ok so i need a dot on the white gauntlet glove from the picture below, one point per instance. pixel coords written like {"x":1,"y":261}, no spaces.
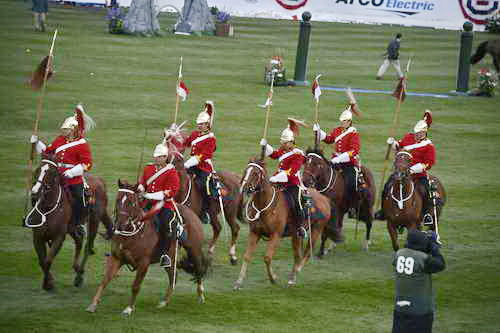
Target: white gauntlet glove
{"x":280,"y":177}
{"x":75,"y":171}
{"x":141,"y":188}
{"x":342,"y":158}
{"x":191,"y":162}
{"x":39,"y":145}
{"x":417,"y":168}
{"x":154,"y":196}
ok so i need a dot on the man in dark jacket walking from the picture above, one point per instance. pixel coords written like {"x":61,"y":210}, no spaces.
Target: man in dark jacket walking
{"x":415,"y":264}
{"x":391,"y":58}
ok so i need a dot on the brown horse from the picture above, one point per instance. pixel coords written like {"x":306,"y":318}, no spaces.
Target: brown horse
{"x":137,"y":243}
{"x":493,"y":48}
{"x":403,"y":201}
{"x":268,"y":214}
{"x":189,"y":194}
{"x":320,"y":174}
{"x":50,"y":219}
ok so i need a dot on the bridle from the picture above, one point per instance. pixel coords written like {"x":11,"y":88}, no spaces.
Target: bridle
{"x":253,"y":189}
{"x":331,"y":178}
{"x":40,"y":184}
{"x":400,"y":177}
{"x":130,"y":199}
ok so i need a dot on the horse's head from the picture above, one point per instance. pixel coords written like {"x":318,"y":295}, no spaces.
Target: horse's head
{"x":47,"y":179}
{"x":402,"y":163}
{"x":316,"y":169}
{"x":127,"y":208}
{"x":254,"y":177}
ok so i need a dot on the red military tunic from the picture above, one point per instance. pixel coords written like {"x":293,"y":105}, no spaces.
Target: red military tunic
{"x":289,"y":162}
{"x":203,"y":147}
{"x":422,"y":152}
{"x":69,"y":154}
{"x":166,"y":179}
{"x":346,"y":140}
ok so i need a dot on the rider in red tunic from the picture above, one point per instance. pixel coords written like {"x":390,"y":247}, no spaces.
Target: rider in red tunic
{"x":346,"y":145}
{"x":203,"y":146}
{"x":423,"y":155}
{"x":72,"y":152}
{"x":290,"y":160}
{"x":159,"y":184}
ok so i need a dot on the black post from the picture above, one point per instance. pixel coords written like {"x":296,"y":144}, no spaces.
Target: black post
{"x":302,"y":50}
{"x":464,"y":58}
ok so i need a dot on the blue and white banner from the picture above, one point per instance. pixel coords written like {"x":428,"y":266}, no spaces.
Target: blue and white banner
{"x":439,"y":14}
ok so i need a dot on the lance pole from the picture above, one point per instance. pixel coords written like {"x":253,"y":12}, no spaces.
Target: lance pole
{"x":392,"y":132}
{"x":269,"y":103}
{"x":39,"y":108}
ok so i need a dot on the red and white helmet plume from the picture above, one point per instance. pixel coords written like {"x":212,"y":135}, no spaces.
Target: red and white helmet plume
{"x":424,"y":124}
{"x":85,"y":122}
{"x":292,"y":131}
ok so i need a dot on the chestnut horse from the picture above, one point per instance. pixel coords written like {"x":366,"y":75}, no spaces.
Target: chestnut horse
{"x":189,"y":195}
{"x":328,"y":180}
{"x":136,"y":244}
{"x":403,"y":201}
{"x":268,"y":214}
{"x":50,"y":219}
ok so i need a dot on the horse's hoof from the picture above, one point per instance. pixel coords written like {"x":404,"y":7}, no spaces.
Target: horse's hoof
{"x":201,"y":299}
{"x":237,"y":286}
{"x":91,"y":252}
{"x":91,"y":308}
{"x":48,"y":286}
{"x":162,"y":304}
{"x":291,"y":283}
{"x":233,"y":260}
{"x":78,"y":281}
{"x":274,"y":280}
{"x":128,"y":311}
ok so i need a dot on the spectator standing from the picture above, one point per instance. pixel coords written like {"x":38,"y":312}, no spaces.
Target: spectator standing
{"x":414,"y":265}
{"x":40,"y":9}
{"x":391,"y":58}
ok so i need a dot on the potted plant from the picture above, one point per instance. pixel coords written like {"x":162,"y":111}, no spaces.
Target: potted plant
{"x":223,"y":27}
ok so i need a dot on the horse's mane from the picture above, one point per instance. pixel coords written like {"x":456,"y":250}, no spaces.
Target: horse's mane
{"x":126,"y":185}
{"x":317,"y":152}
{"x":258,"y":161}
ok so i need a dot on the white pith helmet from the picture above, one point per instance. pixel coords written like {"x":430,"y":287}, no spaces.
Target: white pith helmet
{"x":160,"y":150}
{"x":69,"y":123}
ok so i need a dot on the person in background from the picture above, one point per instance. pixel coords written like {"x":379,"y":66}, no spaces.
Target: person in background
{"x":391,"y":58}
{"x":414,"y":265}
{"x":40,"y":9}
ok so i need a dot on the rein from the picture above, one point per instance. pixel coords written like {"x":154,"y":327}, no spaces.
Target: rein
{"x":190,"y":185}
{"x":401,"y":200}
{"x":136,"y":227}
{"x":331,"y":179}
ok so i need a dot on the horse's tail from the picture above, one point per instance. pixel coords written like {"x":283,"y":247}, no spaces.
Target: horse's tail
{"x":480,"y":53}
{"x":198,"y":266}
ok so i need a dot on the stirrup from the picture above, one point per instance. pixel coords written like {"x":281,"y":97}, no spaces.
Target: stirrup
{"x":428,"y":220}
{"x":165,"y":261}
{"x":302,"y":233}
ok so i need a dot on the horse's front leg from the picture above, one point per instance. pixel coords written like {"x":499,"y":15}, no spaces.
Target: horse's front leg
{"x":235,"y":230}
{"x":216,"y":227}
{"x":142,"y":270}
{"x":394,"y":235}
{"x":268,"y":258}
{"x":89,"y":244}
{"x":297,"y":247}
{"x":41,"y":251}
{"x":112,"y":267}
{"x":170,"y":271}
{"x":78,"y":239}
{"x":253,"y":239}
{"x":54,"y":248}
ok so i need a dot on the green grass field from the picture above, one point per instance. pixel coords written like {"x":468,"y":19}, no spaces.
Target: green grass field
{"x":133,"y":87}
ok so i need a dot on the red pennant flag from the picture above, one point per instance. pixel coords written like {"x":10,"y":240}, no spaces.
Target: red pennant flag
{"x":400,"y":91}
{"x":182,"y":90}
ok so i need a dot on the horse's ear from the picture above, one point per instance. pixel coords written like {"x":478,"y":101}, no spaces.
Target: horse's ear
{"x":47,"y":156}
{"x":120,"y":184}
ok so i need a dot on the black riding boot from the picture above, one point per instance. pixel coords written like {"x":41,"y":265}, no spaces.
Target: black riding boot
{"x":79,"y":208}
{"x":349,"y":187}
{"x":165,"y":216}
{"x":427,"y":204}
{"x":293,"y":196}
{"x":200,"y":178}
